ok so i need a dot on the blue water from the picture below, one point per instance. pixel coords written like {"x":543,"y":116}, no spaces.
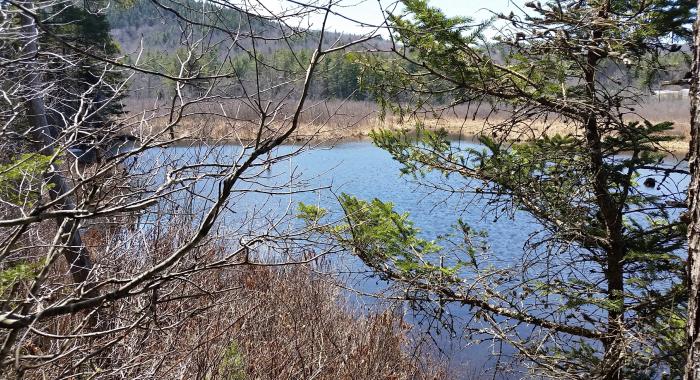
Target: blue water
{"x":266,"y":201}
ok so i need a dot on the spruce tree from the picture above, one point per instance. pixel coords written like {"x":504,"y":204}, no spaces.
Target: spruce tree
{"x":602,"y":285}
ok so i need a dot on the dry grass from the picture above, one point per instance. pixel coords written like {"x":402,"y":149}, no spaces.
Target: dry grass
{"x":232,"y":322}
{"x":335,"y":120}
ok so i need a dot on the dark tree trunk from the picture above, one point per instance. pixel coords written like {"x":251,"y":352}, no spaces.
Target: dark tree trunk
{"x":611,"y":219}
{"x":75,"y":252}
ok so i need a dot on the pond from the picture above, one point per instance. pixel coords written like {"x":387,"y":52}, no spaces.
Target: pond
{"x":363,"y":170}
{"x":367,"y":172}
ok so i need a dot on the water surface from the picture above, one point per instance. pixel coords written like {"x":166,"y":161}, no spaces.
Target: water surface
{"x":367,"y":172}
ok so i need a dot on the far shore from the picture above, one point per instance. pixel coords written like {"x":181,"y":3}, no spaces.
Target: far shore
{"x":200,"y":130}
{"x":332,"y":121}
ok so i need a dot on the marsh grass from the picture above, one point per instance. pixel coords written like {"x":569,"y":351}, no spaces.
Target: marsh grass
{"x":336,"y":120}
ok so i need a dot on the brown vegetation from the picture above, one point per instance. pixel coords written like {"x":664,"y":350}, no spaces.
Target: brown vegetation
{"x":334,"y":120}
{"x":232,"y":322}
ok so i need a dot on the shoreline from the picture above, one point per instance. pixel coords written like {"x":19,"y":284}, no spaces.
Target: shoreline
{"x":320,"y":136}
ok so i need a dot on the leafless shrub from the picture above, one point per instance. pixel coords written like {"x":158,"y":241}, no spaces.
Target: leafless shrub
{"x":234,"y":322}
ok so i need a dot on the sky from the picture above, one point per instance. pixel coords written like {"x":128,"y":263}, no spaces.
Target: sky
{"x":370,"y":11}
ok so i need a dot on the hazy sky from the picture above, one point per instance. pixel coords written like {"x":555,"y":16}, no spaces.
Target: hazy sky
{"x":370,"y":11}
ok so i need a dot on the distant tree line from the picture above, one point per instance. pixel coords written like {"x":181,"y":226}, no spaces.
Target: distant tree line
{"x":338,"y":73}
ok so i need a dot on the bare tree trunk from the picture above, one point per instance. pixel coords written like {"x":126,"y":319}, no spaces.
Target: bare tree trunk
{"x":692,"y":369}
{"x":75,"y":252}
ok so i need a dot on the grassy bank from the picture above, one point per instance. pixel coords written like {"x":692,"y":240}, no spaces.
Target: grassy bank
{"x":334,"y":121}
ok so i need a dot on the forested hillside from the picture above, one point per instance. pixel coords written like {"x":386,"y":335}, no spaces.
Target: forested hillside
{"x":158,"y":28}
{"x":153,"y":31}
